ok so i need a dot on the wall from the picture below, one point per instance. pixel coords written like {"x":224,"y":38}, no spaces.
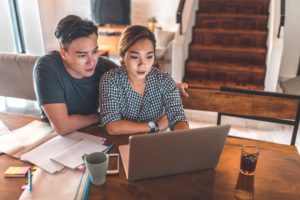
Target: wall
{"x":52,"y":11}
{"x":291,"y":46}
{"x":6,"y":33}
{"x":30,"y":22}
{"x":164,"y":12}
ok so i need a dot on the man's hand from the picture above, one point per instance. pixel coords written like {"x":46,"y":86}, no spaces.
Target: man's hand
{"x":183,"y":89}
{"x":163,"y":123}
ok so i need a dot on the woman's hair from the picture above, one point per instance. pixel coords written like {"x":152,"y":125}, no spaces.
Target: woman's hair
{"x":131,"y":35}
{"x":72,"y":27}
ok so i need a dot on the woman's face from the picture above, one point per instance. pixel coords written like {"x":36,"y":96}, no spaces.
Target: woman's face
{"x":139,"y":59}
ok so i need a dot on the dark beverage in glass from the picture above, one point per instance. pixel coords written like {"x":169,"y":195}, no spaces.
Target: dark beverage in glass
{"x":249,"y":158}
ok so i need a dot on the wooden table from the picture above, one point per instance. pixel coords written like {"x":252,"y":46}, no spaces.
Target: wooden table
{"x":277,"y":174}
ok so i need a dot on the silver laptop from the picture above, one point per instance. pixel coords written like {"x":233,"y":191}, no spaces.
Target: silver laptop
{"x":154,"y":155}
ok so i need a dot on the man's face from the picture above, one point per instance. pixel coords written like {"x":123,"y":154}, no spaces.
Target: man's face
{"x":81,"y":56}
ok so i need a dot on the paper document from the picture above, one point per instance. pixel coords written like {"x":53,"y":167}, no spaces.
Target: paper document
{"x":41,"y":155}
{"x":62,"y":185}
{"x":3,"y":129}
{"x":72,"y":156}
{"x":24,"y":137}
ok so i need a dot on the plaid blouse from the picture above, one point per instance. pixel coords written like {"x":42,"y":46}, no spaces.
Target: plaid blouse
{"x":118,"y":101}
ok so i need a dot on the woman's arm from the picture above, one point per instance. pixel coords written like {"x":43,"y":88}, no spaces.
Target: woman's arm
{"x":172,"y":103}
{"x":181,"y":126}
{"x":183,"y":89}
{"x":124,"y":127}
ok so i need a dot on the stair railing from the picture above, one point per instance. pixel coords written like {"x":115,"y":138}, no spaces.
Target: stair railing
{"x":282,"y":17}
{"x":274,"y":50}
{"x":179,"y":15}
{"x":185,"y":17}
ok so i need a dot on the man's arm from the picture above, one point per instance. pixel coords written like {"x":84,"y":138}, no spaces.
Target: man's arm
{"x":63,"y":123}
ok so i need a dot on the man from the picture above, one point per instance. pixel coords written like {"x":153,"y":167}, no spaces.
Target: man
{"x":66,"y":83}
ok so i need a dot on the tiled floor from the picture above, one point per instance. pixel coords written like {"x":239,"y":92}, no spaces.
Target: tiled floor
{"x":240,"y":127}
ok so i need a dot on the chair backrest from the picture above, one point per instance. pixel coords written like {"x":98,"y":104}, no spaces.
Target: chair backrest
{"x":16,"y":75}
{"x":258,"y":105}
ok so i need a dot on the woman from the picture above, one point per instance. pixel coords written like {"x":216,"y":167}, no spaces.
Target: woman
{"x":137,"y":97}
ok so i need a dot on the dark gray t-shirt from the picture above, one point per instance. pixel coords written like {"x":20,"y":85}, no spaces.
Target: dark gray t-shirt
{"x":53,"y":84}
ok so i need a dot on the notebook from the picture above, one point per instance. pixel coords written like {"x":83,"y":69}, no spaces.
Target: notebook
{"x":161,"y":154}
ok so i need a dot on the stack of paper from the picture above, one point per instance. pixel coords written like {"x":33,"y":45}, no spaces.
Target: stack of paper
{"x":3,"y":129}
{"x":72,"y":157}
{"x":25,"y":138}
{"x":62,"y":185}
{"x":62,"y":151}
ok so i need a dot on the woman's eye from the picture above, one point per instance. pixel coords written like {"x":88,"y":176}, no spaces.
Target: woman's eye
{"x":150,"y":57}
{"x":133,"y":57}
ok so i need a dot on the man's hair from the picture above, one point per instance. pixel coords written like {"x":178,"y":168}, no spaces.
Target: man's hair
{"x":131,"y":35}
{"x":72,"y":27}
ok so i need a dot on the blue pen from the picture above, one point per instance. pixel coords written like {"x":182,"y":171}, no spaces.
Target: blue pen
{"x":86,"y":189}
{"x":29,"y":180}
{"x":108,"y":148}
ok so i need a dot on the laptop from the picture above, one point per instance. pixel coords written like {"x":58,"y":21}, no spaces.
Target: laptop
{"x":161,"y":154}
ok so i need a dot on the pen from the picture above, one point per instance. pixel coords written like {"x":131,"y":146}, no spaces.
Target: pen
{"x":86,"y":189}
{"x":108,"y":148}
{"x":29,"y":180}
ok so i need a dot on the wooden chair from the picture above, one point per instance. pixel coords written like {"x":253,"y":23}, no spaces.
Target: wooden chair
{"x":249,"y":104}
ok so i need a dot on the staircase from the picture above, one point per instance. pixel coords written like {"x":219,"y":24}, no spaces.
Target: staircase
{"x":229,"y":45}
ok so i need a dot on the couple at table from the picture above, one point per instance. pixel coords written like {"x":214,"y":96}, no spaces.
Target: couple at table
{"x":71,"y":84}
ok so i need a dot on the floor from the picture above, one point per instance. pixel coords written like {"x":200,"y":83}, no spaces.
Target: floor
{"x":258,"y":130}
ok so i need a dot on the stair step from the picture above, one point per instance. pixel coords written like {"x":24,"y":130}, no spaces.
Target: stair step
{"x":228,"y":49}
{"x":232,"y":21}
{"x":251,"y":56}
{"x":225,"y":72}
{"x":236,"y":38}
{"x":234,"y":6}
{"x":216,"y":85}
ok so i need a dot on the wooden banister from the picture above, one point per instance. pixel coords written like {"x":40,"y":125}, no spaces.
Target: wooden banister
{"x":179,"y":15}
{"x":257,"y":105}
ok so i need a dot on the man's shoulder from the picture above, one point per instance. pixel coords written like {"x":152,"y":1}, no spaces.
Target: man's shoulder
{"x":106,"y":64}
{"x":51,"y":59}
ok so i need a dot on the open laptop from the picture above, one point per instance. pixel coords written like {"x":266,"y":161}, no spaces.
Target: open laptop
{"x":154,"y":155}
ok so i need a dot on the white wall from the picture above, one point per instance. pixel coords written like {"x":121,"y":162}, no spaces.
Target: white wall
{"x":30,"y":22}
{"x":52,"y":11}
{"x":163,"y":10}
{"x":6,"y":32}
{"x":291,"y":46}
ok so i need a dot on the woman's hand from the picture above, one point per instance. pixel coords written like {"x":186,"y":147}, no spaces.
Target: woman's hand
{"x":163,"y":123}
{"x":183,"y":89}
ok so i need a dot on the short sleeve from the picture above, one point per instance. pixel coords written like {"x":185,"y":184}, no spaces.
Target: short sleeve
{"x":172,"y":101}
{"x":47,"y":83}
{"x":109,"y":98}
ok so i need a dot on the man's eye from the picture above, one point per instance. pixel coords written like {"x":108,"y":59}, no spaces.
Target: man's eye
{"x":81,"y":55}
{"x":95,"y":52}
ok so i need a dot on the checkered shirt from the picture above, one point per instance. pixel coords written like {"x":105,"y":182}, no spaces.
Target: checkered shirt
{"x":118,"y":100}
